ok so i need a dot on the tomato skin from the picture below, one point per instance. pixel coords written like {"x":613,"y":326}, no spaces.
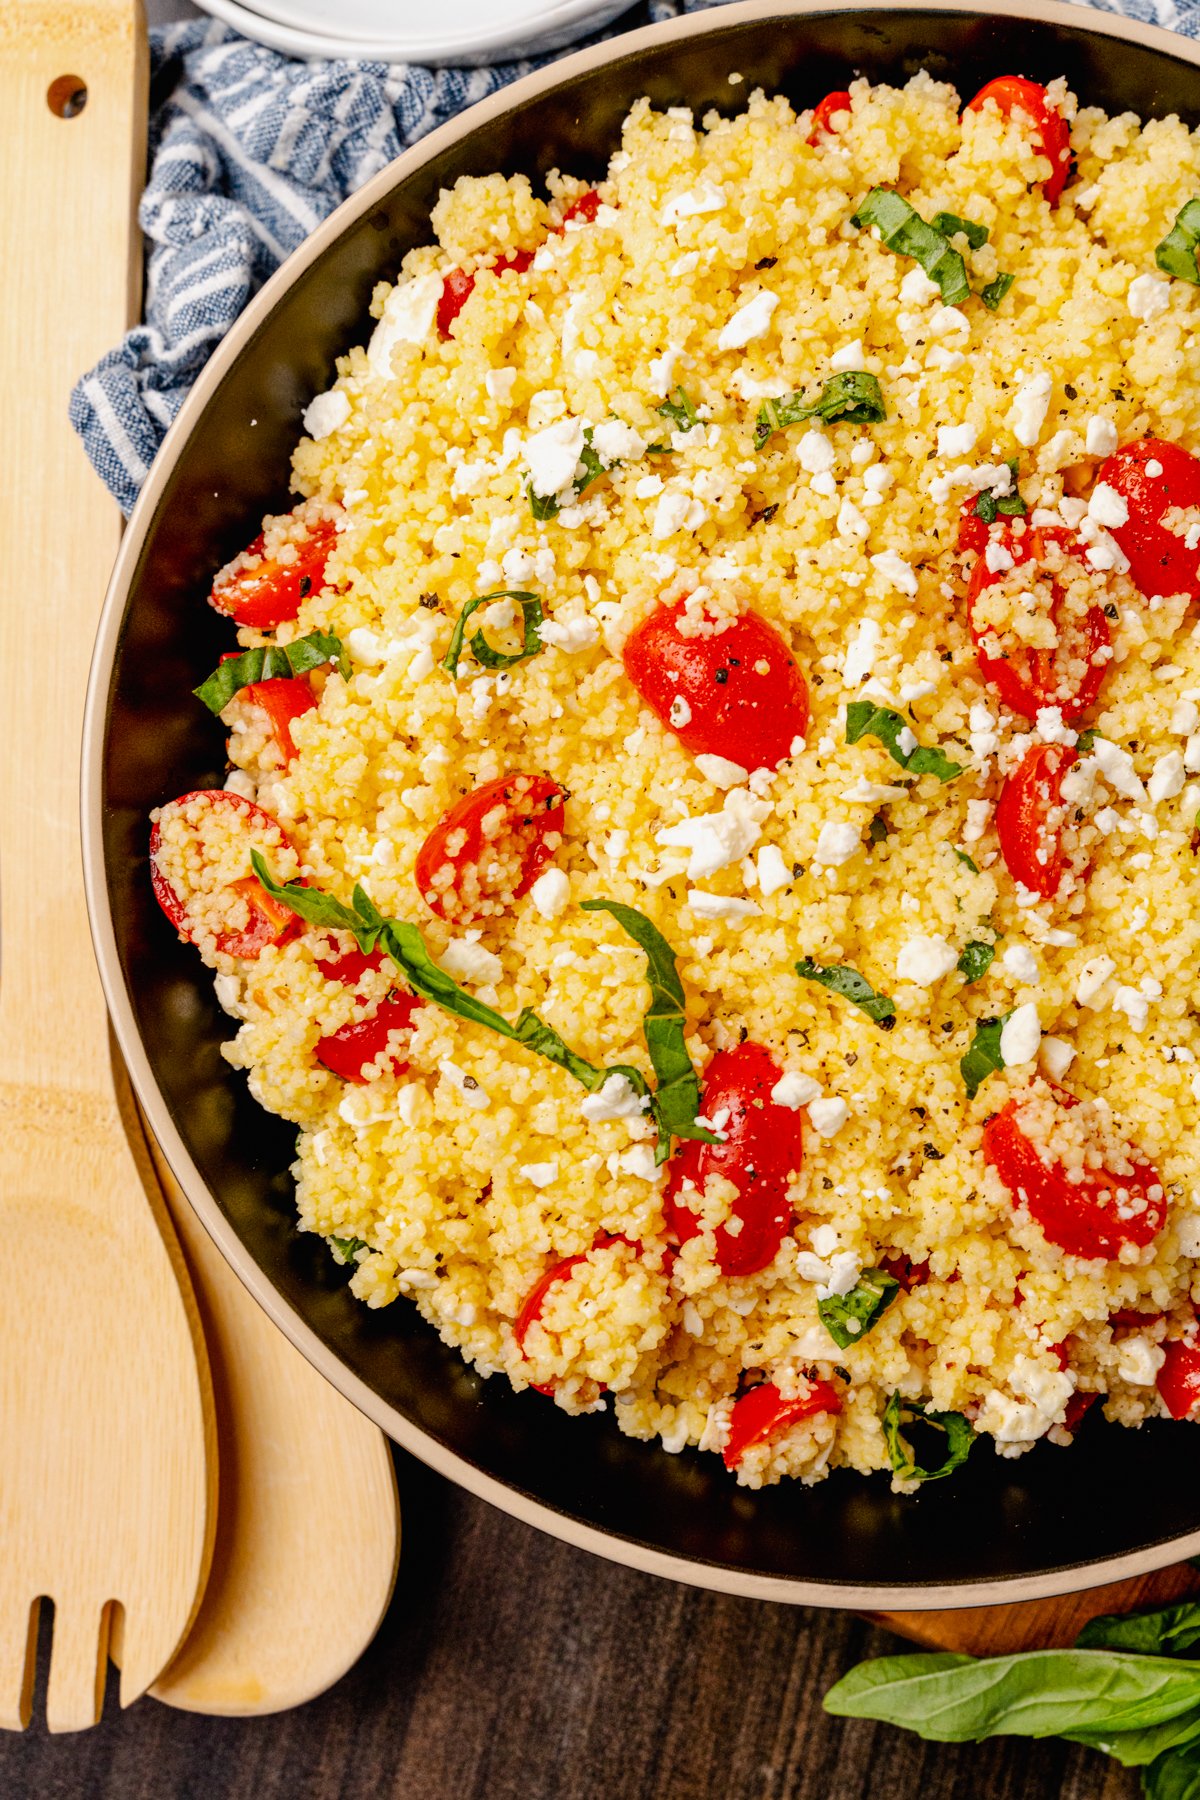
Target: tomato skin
{"x":903,"y":1269}
{"x":283,"y":699}
{"x":736,"y":711}
{"x":823,"y":112}
{"x":1179,"y":1378}
{"x":763,"y":1414}
{"x":972,"y":532}
{"x":1029,"y":792}
{"x":586,"y":208}
{"x":271,"y":594}
{"x":270,"y":922}
{"x":349,"y":966}
{"x":531,"y":1306}
{"x":345,"y":1052}
{"x":459,"y":285}
{"x":1012,"y":93}
{"x":1028,"y":682}
{"x":1069,"y":1213}
{"x":764,"y":1145}
{"x":1159,"y":562}
{"x":534,"y":807}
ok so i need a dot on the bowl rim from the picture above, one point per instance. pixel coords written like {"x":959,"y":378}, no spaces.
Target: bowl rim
{"x":613,"y":1546}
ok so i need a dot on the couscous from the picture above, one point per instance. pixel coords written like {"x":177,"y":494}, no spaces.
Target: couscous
{"x":709,"y":853}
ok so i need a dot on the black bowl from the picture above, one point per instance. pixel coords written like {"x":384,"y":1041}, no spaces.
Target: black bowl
{"x":1115,"y":1504}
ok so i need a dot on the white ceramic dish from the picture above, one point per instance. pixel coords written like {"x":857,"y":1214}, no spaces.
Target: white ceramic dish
{"x":477,"y":31}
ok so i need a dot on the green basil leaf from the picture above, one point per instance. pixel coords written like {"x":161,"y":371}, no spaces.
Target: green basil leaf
{"x":271,"y":662}
{"x":878,"y":831}
{"x":1164,"y":1631}
{"x":865,"y":719}
{"x":531,"y":611}
{"x":311,"y":904}
{"x":855,"y":398}
{"x":841,"y":979}
{"x":1176,"y":255}
{"x":1032,"y":1693}
{"x":959,"y":1438}
{"x":848,"y":1317}
{"x":995,"y":291}
{"x":345,"y":1249}
{"x":1135,"y":1749}
{"x":968,"y":862}
{"x":976,"y":959}
{"x":546,"y":506}
{"x":680,"y":411}
{"x":983,"y":1056}
{"x":903,"y":230}
{"x":675,"y":1101}
{"x":987,"y":505}
{"x":1175,"y":1776}
{"x":950,"y":223}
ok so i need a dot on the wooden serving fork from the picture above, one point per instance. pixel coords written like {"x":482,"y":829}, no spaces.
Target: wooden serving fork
{"x":107,"y":1440}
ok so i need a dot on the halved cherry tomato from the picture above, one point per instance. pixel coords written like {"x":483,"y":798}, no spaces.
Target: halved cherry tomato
{"x":763,"y":1147}
{"x":1028,"y":680}
{"x":972,"y":532}
{"x":763,"y":1414}
{"x":283,"y":699}
{"x":531,"y":1306}
{"x":1159,"y":560}
{"x":1030,"y":839}
{"x":349,"y":966}
{"x":460,"y":284}
{"x":491,"y":846}
{"x":1078,"y":1406}
{"x":262,"y":591}
{"x":903,"y":1269}
{"x":269,"y":922}
{"x":1179,"y":1378}
{"x":348,"y":1051}
{"x":823,"y":113}
{"x":1080,"y":1216}
{"x":1013,"y":94}
{"x":586,"y":207}
{"x":737,"y":693}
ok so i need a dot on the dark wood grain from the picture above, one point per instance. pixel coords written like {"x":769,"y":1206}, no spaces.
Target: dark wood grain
{"x":513,"y":1668}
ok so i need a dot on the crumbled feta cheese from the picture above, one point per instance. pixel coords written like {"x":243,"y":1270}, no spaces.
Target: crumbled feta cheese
{"x":825,"y":1240}
{"x":794,"y":1090}
{"x":407,"y":318}
{"x":721,"y":771}
{"x":663,"y":370}
{"x":1041,"y":1398}
{"x":925,"y":959}
{"x":1148,"y":297}
{"x":551,"y":892}
{"x":552,"y":455}
{"x":1020,"y":1036}
{"x":814,"y":452}
{"x":681,"y":713}
{"x":326,"y":413}
{"x":1107,"y":507}
{"x":996,"y":558}
{"x":1028,"y":412}
{"x":1139,"y":1360}
{"x":1116,"y":766}
{"x":639,"y":1162}
{"x":773,"y":872}
{"x":1093,"y":980}
{"x":1191,"y":755}
{"x":947,"y":321}
{"x":720,"y":906}
{"x":705,"y":197}
{"x":956,"y":440}
{"x":837,"y":842}
{"x":539,"y":1175}
{"x":467,"y":1086}
{"x":1167,"y":777}
{"x":851,"y":523}
{"x":827,"y":1116}
{"x":717,"y":839}
{"x":1134,"y":1004}
{"x":1052,"y":728}
{"x":978,"y":814}
{"x":873,"y":793}
{"x":615,"y":1099}
{"x":918,"y":290}
{"x":1056,"y":1057}
{"x":836,"y":1276}
{"x":648,"y":487}
{"x":467,"y":960}
{"x":1020,"y":962}
{"x":849,"y":359}
{"x":499,"y":385}
{"x":750,"y":321}
{"x":570,"y":634}
{"x":614,"y":442}
{"x":748,"y":387}
{"x":1101,"y":437}
{"x":895,"y":572}
{"x":677,"y":510}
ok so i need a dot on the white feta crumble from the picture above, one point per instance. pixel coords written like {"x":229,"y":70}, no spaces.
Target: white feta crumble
{"x":614,"y":442}
{"x":1028,"y":412}
{"x":638,"y":1161}
{"x":499,"y":385}
{"x":539,"y":1175}
{"x":924,"y":959}
{"x":750,"y":321}
{"x":467,"y":1086}
{"x":1167,"y":777}
{"x":717,"y":839}
{"x":1116,"y":766}
{"x":615,"y":1099}
{"x":978,"y":814}
{"x":552,"y":455}
{"x":407,"y":317}
{"x":996,"y":558}
{"x":827,"y":1116}
{"x":815,"y":452}
{"x":551,"y":892}
{"x":326,"y":413}
{"x":648,"y":487}
{"x":720,"y":906}
{"x":794,"y":1090}
{"x":1135,"y":1004}
{"x":705,"y":197}
{"x":918,"y":290}
{"x":948,"y":321}
{"x":873,"y":793}
{"x":1020,"y":1036}
{"x":468,"y":960}
{"x":677,"y":510}
{"x":1101,"y":437}
{"x":1139,"y":1360}
{"x":834,"y":1276}
{"x":720,"y":770}
{"x":837,"y":841}
{"x":1020,"y":962}
{"x":956,"y":440}
{"x":895,"y":572}
{"x":570,"y":634}
{"x":1052,"y":728}
{"x":663,"y":370}
{"x":1056,"y":1057}
{"x":1148,"y":297}
{"x":681,"y":713}
{"x":773,"y":872}
{"x":1041,"y":1396}
{"x":849,"y":359}
{"x":750,"y":388}
{"x":1107,"y":507}
{"x":851,"y":523}
{"x":1092,"y":981}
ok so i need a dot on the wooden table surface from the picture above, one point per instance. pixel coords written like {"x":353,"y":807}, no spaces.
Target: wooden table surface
{"x":512,"y":1667}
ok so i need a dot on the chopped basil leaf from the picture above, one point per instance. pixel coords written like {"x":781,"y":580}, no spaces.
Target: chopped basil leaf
{"x":904,"y":230}
{"x":987,"y":505}
{"x":975,"y":961}
{"x":865,"y":719}
{"x":531,"y":610}
{"x":1176,"y":255}
{"x":959,"y":1438}
{"x":676,"y":1098}
{"x":271,"y":662}
{"x":854,"y":398}
{"x":848,"y":1317}
{"x":1086,"y":741}
{"x":680,"y":411}
{"x":983,"y":1056}
{"x":878,"y":831}
{"x":546,"y":506}
{"x":950,"y":223}
{"x":968,"y":862}
{"x":995,"y":291}
{"x":841,"y":979}
{"x":345,"y":1249}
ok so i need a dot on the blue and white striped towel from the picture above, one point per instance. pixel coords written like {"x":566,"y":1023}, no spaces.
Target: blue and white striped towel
{"x":249,"y":152}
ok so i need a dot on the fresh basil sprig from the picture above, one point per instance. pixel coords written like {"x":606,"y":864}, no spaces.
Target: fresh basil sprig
{"x":848,"y":1317}
{"x":949,"y":223}
{"x":903,"y":230}
{"x":345,"y":1249}
{"x":680,"y":410}
{"x":546,"y":506}
{"x":841,"y":979}
{"x":271,"y":662}
{"x":676,"y":1097}
{"x":959,"y":1438}
{"x":854,"y":398}
{"x":994,"y":292}
{"x":865,"y":719}
{"x":1177,"y":254}
{"x":481,"y":650}
{"x":976,"y":959}
{"x":983,"y":1056}
{"x":1165,"y":1630}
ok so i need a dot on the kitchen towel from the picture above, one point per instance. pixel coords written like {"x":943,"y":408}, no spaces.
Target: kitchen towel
{"x":249,"y":150}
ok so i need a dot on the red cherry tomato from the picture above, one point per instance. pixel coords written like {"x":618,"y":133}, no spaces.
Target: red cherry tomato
{"x":1078,"y":1406}
{"x":586,"y":207}
{"x":823,"y":115}
{"x":743,"y":695}
{"x":903,"y":1269}
{"x":1159,"y":561}
{"x":460,"y":284}
{"x":763,"y":1147}
{"x":264,"y":591}
{"x":1030,"y":818}
{"x":972,"y":532}
{"x":763,"y":1414}
{"x":531,"y":1306}
{"x":1079,"y":1216}
{"x":283,"y":699}
{"x":349,"y":966}
{"x":269,"y":922}
{"x":491,"y":846}
{"x":1027,"y":680}
{"x":1179,"y":1378}
{"x":1013,"y":94}
{"x":348,"y":1051}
